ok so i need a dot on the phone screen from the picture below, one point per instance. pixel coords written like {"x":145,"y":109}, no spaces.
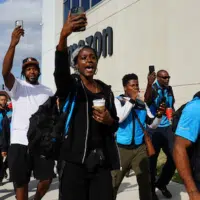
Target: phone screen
{"x":19,"y":23}
{"x":77,"y":11}
{"x":151,"y":69}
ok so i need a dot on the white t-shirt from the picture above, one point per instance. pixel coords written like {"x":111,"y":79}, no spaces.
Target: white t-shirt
{"x":26,"y":99}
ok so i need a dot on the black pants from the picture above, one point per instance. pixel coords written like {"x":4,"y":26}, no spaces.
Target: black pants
{"x":77,"y":183}
{"x":3,"y":167}
{"x":162,"y":138}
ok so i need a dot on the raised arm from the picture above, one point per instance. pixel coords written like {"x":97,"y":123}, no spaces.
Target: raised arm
{"x":9,"y":79}
{"x":149,"y":91}
{"x":62,"y":66}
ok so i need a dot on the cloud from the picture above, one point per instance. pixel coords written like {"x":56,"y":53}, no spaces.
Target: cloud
{"x":30,"y":11}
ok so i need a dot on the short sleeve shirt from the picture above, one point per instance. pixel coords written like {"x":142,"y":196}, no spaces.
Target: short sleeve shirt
{"x":189,"y":123}
{"x":26,"y":99}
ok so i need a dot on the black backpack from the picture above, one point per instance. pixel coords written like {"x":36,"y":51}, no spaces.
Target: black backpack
{"x":46,"y":129}
{"x":177,"y":114}
{"x":176,"y":117}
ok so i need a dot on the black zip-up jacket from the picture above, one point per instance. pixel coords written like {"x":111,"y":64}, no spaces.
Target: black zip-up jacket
{"x":74,"y":147}
{"x":5,"y":135}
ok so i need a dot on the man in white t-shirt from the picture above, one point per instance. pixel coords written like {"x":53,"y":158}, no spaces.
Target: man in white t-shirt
{"x":27,"y":95}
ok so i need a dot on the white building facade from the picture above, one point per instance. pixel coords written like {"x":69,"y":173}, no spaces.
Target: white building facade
{"x":130,"y":35}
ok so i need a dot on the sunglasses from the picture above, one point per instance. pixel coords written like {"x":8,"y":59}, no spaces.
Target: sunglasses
{"x":165,"y":77}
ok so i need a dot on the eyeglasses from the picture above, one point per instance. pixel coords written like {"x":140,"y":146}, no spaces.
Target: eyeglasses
{"x":165,"y":77}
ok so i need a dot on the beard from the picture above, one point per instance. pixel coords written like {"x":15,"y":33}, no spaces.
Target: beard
{"x":32,"y":80}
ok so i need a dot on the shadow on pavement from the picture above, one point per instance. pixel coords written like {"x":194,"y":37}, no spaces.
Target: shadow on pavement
{"x":126,"y":186}
{"x":175,"y":189}
{"x":32,"y":188}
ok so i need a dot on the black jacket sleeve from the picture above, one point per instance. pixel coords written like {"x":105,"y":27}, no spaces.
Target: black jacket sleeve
{"x":5,"y":133}
{"x":62,"y":76}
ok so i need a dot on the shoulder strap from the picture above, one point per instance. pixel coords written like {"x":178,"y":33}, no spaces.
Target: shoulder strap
{"x":121,"y":100}
{"x":155,"y":86}
{"x":197,"y":94}
{"x":137,"y":118}
{"x":70,"y":112}
{"x":69,"y":108}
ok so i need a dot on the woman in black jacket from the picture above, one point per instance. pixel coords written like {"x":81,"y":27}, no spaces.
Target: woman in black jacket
{"x":88,"y":152}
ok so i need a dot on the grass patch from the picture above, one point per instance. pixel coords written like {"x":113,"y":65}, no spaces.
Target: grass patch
{"x":161,"y":161}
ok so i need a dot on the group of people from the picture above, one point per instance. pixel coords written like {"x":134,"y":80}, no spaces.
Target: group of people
{"x":99,"y":146}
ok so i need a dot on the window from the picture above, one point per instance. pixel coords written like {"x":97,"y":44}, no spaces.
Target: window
{"x":75,"y":3}
{"x":66,"y":8}
{"x":85,"y":4}
{"x":94,"y":2}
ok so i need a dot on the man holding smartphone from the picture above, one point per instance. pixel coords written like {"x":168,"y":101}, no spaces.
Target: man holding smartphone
{"x":26,"y":95}
{"x":162,"y":137}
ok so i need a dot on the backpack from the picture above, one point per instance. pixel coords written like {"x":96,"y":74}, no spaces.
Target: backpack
{"x":176,"y":117}
{"x":177,"y":114}
{"x":48,"y":127}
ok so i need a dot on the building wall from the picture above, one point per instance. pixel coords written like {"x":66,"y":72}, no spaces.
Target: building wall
{"x":164,"y":33}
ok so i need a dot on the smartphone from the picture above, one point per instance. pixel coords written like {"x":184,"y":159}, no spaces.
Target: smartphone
{"x":151,"y":69}
{"x":77,"y":11}
{"x":19,"y":23}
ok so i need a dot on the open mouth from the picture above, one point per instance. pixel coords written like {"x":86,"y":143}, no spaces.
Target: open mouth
{"x":89,"y":69}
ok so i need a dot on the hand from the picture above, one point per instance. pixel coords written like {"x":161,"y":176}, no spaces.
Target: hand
{"x":194,"y":195}
{"x":73,"y":23}
{"x":151,"y":78}
{"x":4,"y":154}
{"x":134,"y":94}
{"x":161,"y":110}
{"x":16,"y":35}
{"x":102,"y":116}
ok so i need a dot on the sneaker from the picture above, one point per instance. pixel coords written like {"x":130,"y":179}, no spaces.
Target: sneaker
{"x":165,"y":191}
{"x":5,"y":175}
{"x":128,"y":173}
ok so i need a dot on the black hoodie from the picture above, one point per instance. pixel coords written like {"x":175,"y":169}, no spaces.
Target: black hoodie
{"x":75,"y":146}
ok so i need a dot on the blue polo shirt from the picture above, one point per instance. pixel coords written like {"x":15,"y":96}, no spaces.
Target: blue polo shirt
{"x":189,"y":123}
{"x":158,"y":95}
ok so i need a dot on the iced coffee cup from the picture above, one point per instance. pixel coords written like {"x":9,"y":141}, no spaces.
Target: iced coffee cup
{"x":99,"y":104}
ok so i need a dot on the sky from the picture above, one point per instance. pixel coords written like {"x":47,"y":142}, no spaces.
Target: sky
{"x":30,"y":11}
